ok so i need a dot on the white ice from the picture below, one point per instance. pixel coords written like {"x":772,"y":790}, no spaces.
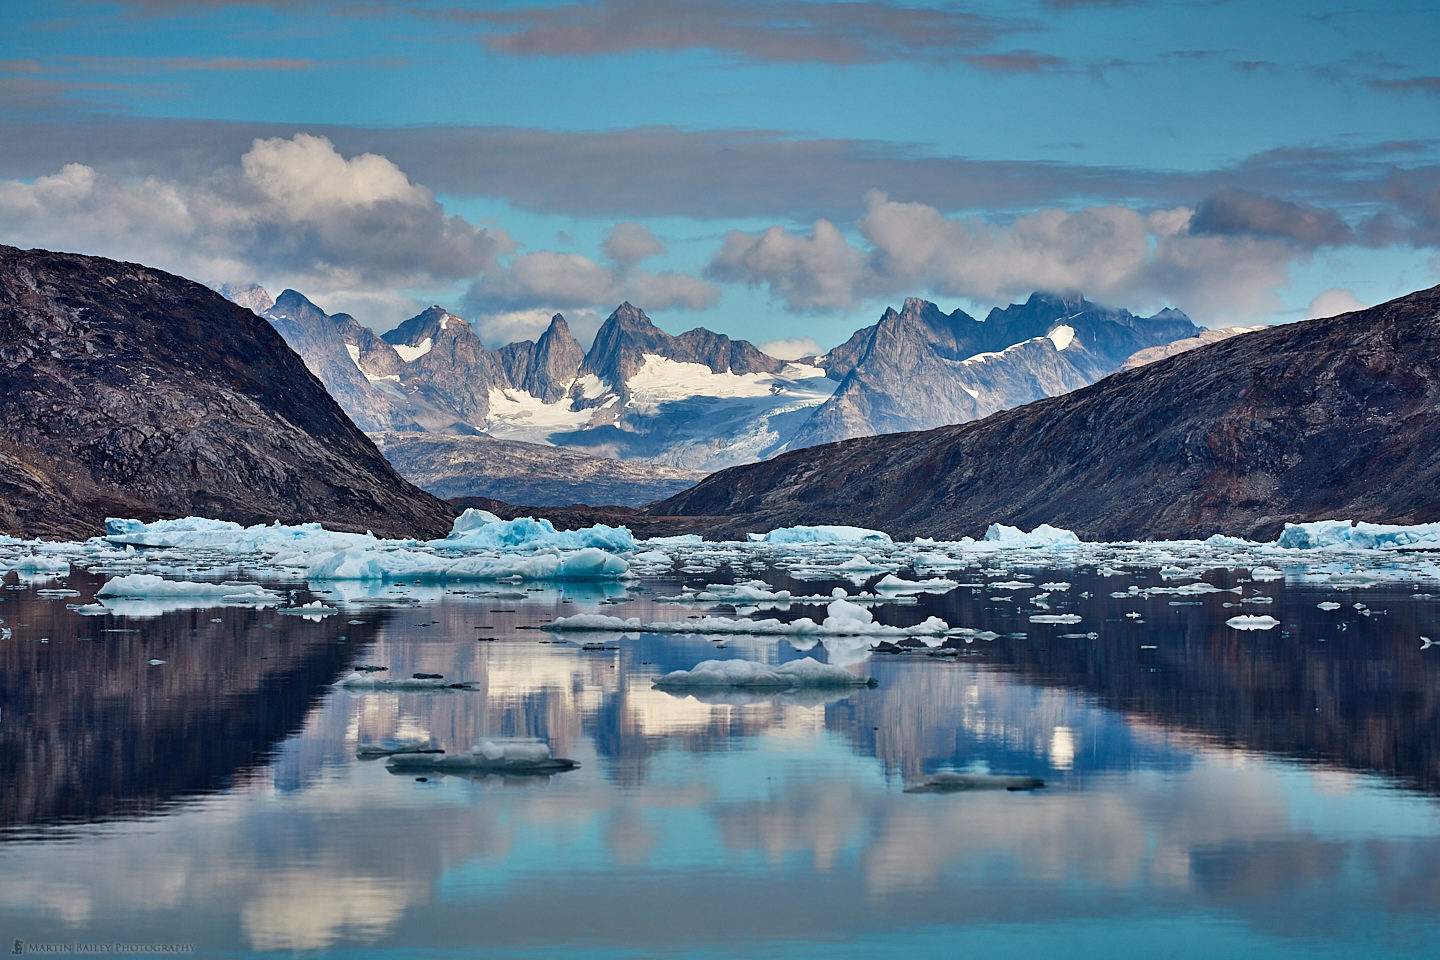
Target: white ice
{"x":845,"y":619}
{"x":714,"y":674}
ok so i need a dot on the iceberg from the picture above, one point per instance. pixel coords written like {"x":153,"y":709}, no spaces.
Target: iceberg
{"x":1042,"y":536}
{"x":748,"y":674}
{"x":481,"y":530}
{"x":1367,"y":536}
{"x":826,"y":534}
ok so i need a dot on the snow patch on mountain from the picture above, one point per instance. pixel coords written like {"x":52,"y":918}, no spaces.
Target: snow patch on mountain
{"x":411,"y":354}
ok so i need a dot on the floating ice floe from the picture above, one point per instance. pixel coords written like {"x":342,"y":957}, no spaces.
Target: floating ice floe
{"x":588,"y":563}
{"x":1252,"y":623}
{"x":957,"y":782}
{"x":224,"y":536}
{"x":1328,"y":605}
{"x":891,"y":584}
{"x":368,"y":682}
{"x":489,"y":756}
{"x":147,"y":586}
{"x":38,"y":564}
{"x":1055,"y":618}
{"x":748,"y":674}
{"x":371,"y":749}
{"x":312,"y":610}
{"x":845,"y":619}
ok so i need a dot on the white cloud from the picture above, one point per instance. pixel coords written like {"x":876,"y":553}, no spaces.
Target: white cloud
{"x":1333,"y":303}
{"x":548,"y":281}
{"x":628,"y":243}
{"x":792,"y":349}
{"x":1109,"y":253}
{"x":292,"y":212}
{"x":816,"y":272}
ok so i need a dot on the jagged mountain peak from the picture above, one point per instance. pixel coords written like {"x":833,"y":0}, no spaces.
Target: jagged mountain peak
{"x":627,"y":336}
{"x":433,"y":323}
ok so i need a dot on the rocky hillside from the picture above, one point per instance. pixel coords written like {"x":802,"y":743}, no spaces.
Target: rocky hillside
{"x":1337,"y":417}
{"x":125,"y":391}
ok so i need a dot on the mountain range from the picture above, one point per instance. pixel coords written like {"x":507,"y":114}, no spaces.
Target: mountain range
{"x":1338,"y":417}
{"x":699,"y":401}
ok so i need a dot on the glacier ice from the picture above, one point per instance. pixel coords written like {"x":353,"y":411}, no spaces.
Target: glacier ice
{"x":1344,"y":533}
{"x":481,"y":530}
{"x":1042,"y":536}
{"x":824,"y":534}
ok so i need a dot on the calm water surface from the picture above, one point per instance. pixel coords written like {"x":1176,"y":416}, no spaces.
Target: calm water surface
{"x":1209,"y":792}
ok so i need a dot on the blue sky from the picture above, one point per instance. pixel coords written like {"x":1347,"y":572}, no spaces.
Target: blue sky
{"x":770,"y":170}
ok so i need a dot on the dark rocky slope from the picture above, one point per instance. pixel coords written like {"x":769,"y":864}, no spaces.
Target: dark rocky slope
{"x":128,"y":391}
{"x":1337,"y":417}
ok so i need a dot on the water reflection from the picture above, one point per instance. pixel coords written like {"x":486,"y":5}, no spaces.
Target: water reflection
{"x":1217,"y":775}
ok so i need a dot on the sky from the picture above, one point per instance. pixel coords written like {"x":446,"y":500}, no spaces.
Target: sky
{"x":779,"y":171}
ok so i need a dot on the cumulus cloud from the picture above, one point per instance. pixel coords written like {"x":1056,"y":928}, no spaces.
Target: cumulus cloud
{"x":628,"y":243}
{"x":1114,"y":253}
{"x":294,"y":210}
{"x":1333,"y":303}
{"x":821,"y":271}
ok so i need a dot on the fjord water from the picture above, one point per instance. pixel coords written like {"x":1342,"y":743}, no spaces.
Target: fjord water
{"x":1209,"y":791}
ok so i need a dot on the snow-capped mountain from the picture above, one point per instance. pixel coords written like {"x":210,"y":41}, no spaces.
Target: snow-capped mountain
{"x":921,"y":368}
{"x":701,"y":400}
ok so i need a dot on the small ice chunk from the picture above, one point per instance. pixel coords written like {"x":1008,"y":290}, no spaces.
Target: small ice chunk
{"x":1055,"y":618}
{"x":1252,"y":623}
{"x":711,"y":674}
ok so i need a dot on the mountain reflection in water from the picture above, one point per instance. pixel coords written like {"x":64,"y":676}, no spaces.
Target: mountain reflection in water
{"x":1218,"y":794}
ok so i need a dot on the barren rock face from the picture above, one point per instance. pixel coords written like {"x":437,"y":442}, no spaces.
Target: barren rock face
{"x":125,"y":391}
{"x":1328,"y":418}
